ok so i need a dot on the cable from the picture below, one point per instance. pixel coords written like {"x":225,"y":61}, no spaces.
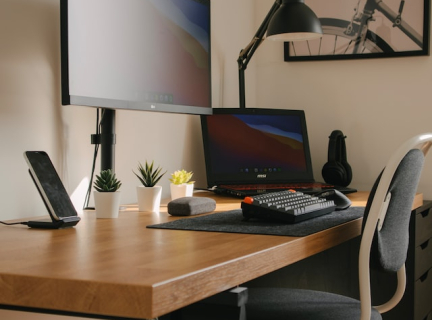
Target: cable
{"x":13,"y":223}
{"x":96,"y":150}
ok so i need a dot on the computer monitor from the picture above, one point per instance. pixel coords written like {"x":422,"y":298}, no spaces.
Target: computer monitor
{"x":151,"y":55}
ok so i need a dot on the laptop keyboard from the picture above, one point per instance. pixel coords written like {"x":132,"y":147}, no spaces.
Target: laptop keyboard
{"x":287,"y":206}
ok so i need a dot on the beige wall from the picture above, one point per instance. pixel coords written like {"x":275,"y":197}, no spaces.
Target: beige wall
{"x":377,"y":103}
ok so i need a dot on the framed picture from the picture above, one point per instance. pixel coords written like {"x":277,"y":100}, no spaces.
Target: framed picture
{"x":355,"y":29}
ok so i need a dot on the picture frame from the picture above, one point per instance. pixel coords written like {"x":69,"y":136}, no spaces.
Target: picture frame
{"x":393,"y":29}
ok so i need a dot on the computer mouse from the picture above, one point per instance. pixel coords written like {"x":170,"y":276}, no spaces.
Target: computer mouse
{"x":341,"y":201}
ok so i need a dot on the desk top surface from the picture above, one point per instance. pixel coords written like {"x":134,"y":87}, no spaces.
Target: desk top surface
{"x":118,"y":267}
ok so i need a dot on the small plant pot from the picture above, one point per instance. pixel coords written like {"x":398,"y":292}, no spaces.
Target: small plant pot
{"x":107,"y":204}
{"x":149,"y":198}
{"x":181,"y":190}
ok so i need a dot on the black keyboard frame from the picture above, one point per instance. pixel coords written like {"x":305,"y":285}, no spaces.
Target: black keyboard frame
{"x":263,"y":212}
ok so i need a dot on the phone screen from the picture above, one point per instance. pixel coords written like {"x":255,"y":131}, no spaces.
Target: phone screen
{"x":49,"y":184}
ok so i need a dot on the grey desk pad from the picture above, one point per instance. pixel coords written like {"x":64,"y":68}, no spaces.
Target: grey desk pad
{"x":233,"y":222}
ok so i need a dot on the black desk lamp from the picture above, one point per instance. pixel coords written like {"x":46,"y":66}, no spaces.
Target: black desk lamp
{"x":287,"y":20}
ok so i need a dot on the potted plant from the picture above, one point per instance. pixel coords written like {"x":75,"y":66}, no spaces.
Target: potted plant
{"x":107,"y":194}
{"x":181,"y":184}
{"x":148,"y":193}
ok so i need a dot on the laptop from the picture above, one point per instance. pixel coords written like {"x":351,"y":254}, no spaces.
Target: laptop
{"x":254,"y":151}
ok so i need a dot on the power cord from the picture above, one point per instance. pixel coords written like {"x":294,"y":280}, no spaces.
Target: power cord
{"x":13,"y":223}
{"x":96,"y":150}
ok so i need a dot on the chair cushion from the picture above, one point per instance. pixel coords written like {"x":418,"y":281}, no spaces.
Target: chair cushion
{"x":299,"y":304}
{"x":390,"y":244}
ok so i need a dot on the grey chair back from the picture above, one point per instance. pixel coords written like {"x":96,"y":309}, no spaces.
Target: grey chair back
{"x":390,"y":243}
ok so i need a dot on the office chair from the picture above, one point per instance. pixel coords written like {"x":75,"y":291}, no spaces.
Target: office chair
{"x":384,"y":245}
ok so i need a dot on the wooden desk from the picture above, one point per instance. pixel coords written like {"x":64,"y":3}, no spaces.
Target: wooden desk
{"x":118,"y":267}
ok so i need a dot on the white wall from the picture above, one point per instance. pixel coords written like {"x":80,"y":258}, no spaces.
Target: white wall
{"x":377,"y":103}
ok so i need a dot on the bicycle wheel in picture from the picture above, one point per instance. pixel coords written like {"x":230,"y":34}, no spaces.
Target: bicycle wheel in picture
{"x":354,"y":29}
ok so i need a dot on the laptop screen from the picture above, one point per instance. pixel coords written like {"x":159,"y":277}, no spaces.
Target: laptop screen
{"x":256,"y":146}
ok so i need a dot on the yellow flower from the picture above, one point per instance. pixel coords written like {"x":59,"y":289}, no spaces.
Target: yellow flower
{"x":181,"y":176}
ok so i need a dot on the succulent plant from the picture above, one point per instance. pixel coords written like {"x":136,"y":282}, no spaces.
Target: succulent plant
{"x":106,"y":181}
{"x":181,"y":176}
{"x":149,"y":176}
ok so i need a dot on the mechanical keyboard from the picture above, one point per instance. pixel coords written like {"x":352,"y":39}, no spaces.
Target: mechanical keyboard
{"x":287,"y":206}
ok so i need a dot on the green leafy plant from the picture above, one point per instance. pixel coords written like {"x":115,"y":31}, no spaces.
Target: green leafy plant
{"x":181,"y":176}
{"x":148,"y":175}
{"x":106,"y":181}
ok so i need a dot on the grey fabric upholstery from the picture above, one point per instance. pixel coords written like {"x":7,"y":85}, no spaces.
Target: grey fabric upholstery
{"x":390,"y":245}
{"x":297,"y":304}
{"x":388,"y":253}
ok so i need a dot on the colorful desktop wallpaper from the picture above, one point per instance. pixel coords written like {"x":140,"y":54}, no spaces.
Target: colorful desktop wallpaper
{"x":159,"y":50}
{"x":243,"y":143}
{"x":184,"y":28}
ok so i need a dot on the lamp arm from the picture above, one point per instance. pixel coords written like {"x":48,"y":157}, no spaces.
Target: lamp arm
{"x":247,"y":53}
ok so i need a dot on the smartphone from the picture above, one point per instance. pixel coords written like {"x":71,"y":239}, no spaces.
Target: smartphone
{"x":52,"y":191}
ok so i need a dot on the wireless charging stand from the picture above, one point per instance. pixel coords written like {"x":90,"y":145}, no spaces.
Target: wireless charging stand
{"x":54,"y":224}
{"x":63,"y":222}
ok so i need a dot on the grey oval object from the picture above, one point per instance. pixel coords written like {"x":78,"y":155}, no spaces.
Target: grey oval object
{"x":189,"y":206}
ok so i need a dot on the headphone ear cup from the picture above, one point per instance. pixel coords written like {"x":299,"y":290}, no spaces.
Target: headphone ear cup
{"x":337,"y":171}
{"x":348,"y":174}
{"x":344,"y":163}
{"x":334,"y":173}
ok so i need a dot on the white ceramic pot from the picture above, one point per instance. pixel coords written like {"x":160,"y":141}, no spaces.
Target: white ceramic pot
{"x":149,"y":198}
{"x":107,"y":204}
{"x":181,"y":190}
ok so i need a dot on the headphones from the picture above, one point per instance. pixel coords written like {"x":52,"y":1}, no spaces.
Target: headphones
{"x":337,"y":170}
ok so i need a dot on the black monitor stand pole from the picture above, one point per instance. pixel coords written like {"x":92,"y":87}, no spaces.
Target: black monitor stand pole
{"x":107,"y":139}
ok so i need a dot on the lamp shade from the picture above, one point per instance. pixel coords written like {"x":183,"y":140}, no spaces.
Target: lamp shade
{"x":294,"y":20}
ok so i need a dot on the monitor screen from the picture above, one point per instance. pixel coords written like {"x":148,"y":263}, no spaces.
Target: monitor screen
{"x":137,"y":54}
{"x":243,"y":144}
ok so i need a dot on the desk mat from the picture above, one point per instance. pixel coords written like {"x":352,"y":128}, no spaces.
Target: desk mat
{"x":233,"y":222}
